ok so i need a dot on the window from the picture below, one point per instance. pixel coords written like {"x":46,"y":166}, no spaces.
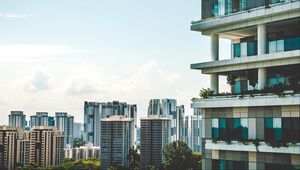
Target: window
{"x":251,"y":48}
{"x":222,"y":128}
{"x":243,"y":49}
{"x":228,"y":165}
{"x":273,"y":130}
{"x":291,"y":129}
{"x":292,"y":44}
{"x":236,"y":50}
{"x":215,"y":129}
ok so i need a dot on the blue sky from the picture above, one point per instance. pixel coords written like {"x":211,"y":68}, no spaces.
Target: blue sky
{"x":56,"y":54}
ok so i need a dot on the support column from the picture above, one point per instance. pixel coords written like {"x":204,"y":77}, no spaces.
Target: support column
{"x":214,"y":51}
{"x":261,"y":44}
{"x":262,"y":78}
{"x":261,"y":39}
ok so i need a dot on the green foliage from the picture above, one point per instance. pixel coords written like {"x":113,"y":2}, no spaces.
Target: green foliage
{"x":231,"y":79}
{"x":69,"y":164}
{"x":118,"y":167}
{"x":134,"y":158}
{"x":204,"y":93}
{"x":78,"y":142}
{"x":178,"y":156}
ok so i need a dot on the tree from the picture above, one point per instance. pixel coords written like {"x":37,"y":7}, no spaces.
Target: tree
{"x":78,"y":142}
{"x":134,"y":158}
{"x":178,"y":156}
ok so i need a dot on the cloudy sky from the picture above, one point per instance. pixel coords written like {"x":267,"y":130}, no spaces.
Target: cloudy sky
{"x":56,"y":54}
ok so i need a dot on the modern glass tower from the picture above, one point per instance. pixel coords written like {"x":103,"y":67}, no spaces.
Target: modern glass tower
{"x":65,"y":123}
{"x":256,"y":124}
{"x":17,"y":119}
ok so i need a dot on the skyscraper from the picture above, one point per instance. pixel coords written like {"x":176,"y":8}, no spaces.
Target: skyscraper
{"x":252,"y":126}
{"x":155,"y":134}
{"x":78,"y":130}
{"x":40,"y":119}
{"x":192,"y":133}
{"x":94,"y":112}
{"x":65,"y":122}
{"x":168,"y":108}
{"x":116,"y":140}
{"x":9,"y":137}
{"x":17,"y":119}
{"x":46,"y":146}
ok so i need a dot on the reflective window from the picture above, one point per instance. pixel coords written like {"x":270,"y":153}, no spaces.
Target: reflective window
{"x":291,"y":129}
{"x":251,"y":49}
{"x":272,"y":47}
{"x":244,"y":125}
{"x":243,"y":49}
{"x":215,"y":128}
{"x":222,"y":128}
{"x":279,"y":45}
{"x":273,"y":130}
{"x":236,"y":50}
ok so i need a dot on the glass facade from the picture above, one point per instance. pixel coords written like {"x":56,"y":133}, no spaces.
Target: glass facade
{"x":287,"y":129}
{"x":244,"y":49}
{"x":230,"y":128}
{"x":214,"y":8}
{"x":228,"y":165}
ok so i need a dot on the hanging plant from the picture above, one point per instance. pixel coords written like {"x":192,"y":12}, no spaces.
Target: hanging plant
{"x":231,"y":79}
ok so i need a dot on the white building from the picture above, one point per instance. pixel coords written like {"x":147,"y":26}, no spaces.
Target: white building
{"x":251,"y":129}
{"x":82,"y":152}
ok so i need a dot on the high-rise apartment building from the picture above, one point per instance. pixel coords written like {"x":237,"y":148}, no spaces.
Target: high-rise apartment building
{"x":83,"y":152}
{"x":23,"y":151}
{"x":94,"y":112}
{"x":46,"y":146}
{"x":192,"y":133}
{"x":9,"y":136}
{"x":65,"y":122}
{"x":116,"y":140}
{"x":17,"y":119}
{"x":256,"y":125}
{"x":155,"y":134}
{"x":168,"y":108}
{"x":40,"y":119}
{"x":78,"y":130}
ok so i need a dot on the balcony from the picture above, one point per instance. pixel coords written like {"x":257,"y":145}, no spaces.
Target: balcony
{"x":227,"y":19}
{"x":246,"y":101}
{"x":242,"y":63}
{"x":250,"y":147}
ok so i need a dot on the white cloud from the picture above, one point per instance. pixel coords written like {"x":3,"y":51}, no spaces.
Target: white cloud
{"x":13,"y":15}
{"x":88,"y":78}
{"x":38,"y":80}
{"x":29,"y":52}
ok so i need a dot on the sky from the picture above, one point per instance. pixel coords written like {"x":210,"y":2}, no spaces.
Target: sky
{"x":56,"y":54}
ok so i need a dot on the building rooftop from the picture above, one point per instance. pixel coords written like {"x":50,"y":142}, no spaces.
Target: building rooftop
{"x":117,"y":118}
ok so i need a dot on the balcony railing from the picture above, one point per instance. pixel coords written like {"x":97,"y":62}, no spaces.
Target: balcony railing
{"x":259,"y":146}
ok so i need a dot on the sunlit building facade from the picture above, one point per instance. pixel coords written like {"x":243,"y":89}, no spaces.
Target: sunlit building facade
{"x":256,"y":124}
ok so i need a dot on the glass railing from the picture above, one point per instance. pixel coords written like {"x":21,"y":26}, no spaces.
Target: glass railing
{"x":215,"y":8}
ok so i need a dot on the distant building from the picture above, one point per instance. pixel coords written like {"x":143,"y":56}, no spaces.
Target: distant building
{"x":17,"y":119}
{"x":23,"y":151}
{"x":83,"y":152}
{"x":94,"y":112}
{"x":192,"y":133}
{"x":40,"y":119}
{"x":9,"y":136}
{"x":168,"y":108}
{"x":116,"y":140}
{"x":65,"y":122}
{"x":51,"y":121}
{"x":46,"y":146}
{"x":155,"y":135}
{"x":78,"y":130}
